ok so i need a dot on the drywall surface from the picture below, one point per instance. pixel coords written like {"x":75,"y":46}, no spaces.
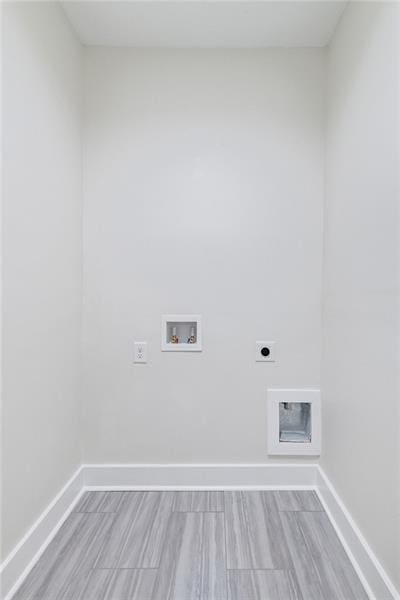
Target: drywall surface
{"x":41,"y":71}
{"x":203,"y":193}
{"x":360,"y":398}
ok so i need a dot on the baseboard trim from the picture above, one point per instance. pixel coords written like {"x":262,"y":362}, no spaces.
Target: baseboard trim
{"x":200,"y":476}
{"x":27,"y":552}
{"x":253,"y":476}
{"x":370,"y":571}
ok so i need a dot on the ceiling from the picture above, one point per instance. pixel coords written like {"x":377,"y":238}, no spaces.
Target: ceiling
{"x":204,"y":23}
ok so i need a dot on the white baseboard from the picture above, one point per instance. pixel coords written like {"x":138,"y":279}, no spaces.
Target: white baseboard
{"x":26,"y":553}
{"x":197,"y":476}
{"x":373,"y":576}
{"x":200,"y":476}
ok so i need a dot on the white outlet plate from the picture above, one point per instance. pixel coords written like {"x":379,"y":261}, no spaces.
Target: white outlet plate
{"x":271,"y":357}
{"x":140,"y":352}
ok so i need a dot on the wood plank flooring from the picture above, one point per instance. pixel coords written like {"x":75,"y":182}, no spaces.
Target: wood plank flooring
{"x":235,"y":545}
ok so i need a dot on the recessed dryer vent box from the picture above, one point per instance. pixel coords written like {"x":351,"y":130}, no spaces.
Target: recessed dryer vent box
{"x":294,"y":422}
{"x":181,"y":333}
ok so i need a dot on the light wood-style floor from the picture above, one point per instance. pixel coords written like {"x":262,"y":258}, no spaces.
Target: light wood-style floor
{"x":195,"y":545}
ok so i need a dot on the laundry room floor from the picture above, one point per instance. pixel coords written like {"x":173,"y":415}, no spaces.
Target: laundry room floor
{"x":203,"y":545}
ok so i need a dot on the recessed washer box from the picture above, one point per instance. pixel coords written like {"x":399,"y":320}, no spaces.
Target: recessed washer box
{"x":181,"y":333}
{"x":294,"y":422}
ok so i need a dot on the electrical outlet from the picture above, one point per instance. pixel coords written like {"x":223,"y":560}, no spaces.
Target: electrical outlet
{"x":140,"y":352}
{"x":265,"y":352}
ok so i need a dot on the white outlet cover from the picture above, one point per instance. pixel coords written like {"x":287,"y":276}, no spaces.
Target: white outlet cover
{"x":271,"y":357}
{"x":140,"y":352}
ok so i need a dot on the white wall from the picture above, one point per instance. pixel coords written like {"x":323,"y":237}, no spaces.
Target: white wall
{"x":360,"y":396}
{"x":203,"y":192}
{"x":41,"y":77}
